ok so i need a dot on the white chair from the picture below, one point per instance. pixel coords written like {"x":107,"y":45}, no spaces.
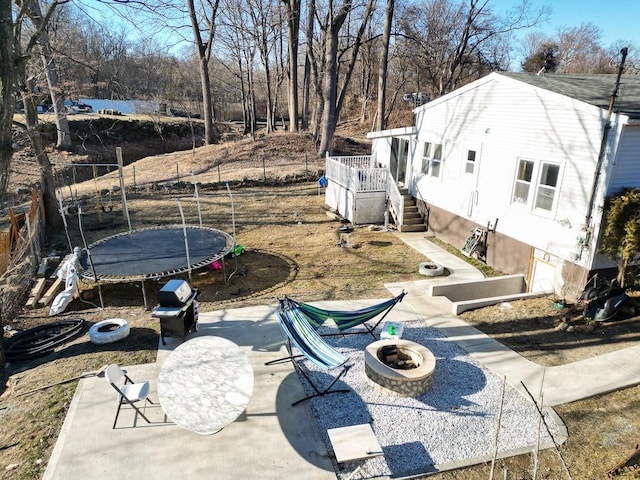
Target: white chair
{"x":128,"y":391}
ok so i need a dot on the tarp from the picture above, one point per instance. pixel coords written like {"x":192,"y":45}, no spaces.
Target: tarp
{"x":68,"y":272}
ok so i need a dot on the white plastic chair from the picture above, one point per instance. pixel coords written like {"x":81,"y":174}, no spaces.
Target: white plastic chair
{"x":128,"y":391}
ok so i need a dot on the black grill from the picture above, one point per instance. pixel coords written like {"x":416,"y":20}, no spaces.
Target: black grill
{"x":177,"y":310}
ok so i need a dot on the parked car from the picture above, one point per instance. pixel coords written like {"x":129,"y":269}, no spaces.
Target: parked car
{"x":77,"y":107}
{"x":417,"y":98}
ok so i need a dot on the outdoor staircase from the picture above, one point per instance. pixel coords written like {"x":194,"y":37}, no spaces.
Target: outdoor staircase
{"x":412,"y":220}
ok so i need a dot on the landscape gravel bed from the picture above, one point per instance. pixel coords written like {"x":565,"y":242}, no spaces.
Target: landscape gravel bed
{"x":453,"y":424}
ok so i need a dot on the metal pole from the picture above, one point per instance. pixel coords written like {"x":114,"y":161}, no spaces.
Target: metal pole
{"x":186,"y":240}
{"x":64,"y":219}
{"x":195,"y":186}
{"x":84,"y":242}
{"x":125,"y":206}
{"x":499,"y":420}
{"x":233,"y":227}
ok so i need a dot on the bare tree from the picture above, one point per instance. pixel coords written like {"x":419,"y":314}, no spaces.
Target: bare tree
{"x":543,"y":58}
{"x":581,"y":52}
{"x":452,"y":43}
{"x":8,"y":80}
{"x":293,"y":31}
{"x":384,"y":61}
{"x":204,"y":27}
{"x":265,"y":29}
{"x":34,"y":11}
{"x":332,"y":99}
{"x":15,"y":52}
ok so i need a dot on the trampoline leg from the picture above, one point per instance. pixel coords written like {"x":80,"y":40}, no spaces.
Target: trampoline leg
{"x":100,"y":296}
{"x":144,"y":295}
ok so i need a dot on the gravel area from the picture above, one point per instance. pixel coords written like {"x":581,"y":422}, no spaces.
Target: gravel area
{"x":453,"y":424}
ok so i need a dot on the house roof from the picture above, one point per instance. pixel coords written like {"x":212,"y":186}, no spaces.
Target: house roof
{"x":593,"y":89}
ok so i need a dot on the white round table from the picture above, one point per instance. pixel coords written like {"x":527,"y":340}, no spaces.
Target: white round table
{"x":205,"y":384}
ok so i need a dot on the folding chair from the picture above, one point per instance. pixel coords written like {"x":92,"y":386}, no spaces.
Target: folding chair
{"x":128,"y":392}
{"x":301,"y":334}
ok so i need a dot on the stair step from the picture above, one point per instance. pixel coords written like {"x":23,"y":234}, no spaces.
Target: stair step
{"x":413,"y":228}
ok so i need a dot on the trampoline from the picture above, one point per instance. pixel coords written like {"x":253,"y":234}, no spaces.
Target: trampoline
{"x":153,"y":253}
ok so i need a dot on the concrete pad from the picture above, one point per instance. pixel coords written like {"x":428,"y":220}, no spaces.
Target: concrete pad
{"x":270,"y":440}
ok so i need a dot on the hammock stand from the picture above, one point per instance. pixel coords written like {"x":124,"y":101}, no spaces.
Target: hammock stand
{"x":344,"y":319}
{"x":301,"y":334}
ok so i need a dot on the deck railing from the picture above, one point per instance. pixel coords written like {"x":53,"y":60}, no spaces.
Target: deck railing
{"x":396,"y":202}
{"x":354,"y":173}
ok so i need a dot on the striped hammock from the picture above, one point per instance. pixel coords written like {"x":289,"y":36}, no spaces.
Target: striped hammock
{"x":344,"y":319}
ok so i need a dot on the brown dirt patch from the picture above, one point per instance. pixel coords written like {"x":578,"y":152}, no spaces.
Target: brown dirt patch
{"x":550,"y":333}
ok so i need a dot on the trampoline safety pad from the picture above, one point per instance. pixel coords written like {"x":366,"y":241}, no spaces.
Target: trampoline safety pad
{"x":153,"y":253}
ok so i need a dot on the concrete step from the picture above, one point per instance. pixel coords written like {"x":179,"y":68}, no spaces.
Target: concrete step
{"x":413,"y":228}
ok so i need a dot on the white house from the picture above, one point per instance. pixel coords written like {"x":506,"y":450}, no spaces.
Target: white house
{"x":515,"y":168}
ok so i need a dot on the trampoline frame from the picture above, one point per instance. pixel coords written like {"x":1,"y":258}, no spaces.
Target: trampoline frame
{"x":230,"y":245}
{"x":91,"y":274}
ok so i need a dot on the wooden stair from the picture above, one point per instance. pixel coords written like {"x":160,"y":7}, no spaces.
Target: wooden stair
{"x":412,"y":221}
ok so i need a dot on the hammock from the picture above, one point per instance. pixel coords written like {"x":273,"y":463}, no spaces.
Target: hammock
{"x":303,"y":336}
{"x":345,"y":319}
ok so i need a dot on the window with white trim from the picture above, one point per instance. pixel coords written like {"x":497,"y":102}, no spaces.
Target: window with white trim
{"x":536,"y":184}
{"x":470,"y":163}
{"x":432,"y":159}
{"x":546,"y":191}
{"x":523,"y":181}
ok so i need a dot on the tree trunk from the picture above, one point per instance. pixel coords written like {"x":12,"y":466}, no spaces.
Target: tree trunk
{"x":293,"y":22}
{"x":329,"y":93}
{"x":252,"y":94}
{"x":207,"y":100}
{"x":47,"y":184}
{"x":7,"y":89}
{"x":57,"y":98}
{"x":355,"y":48}
{"x":382,"y":72}
{"x":203,"y":49}
{"x":330,"y":81}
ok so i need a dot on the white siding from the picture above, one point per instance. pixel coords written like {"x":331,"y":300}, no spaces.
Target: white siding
{"x":511,"y":120}
{"x":625,"y":171}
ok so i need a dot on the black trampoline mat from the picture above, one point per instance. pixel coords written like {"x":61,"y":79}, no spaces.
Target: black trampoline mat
{"x":155,"y":252}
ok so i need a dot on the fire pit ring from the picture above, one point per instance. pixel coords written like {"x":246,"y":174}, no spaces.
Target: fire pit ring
{"x":411,"y":376}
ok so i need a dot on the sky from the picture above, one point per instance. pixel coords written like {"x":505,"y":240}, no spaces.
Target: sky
{"x":618,"y":19}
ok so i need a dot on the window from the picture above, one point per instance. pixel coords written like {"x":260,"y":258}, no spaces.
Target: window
{"x":432,"y":159}
{"x":543,"y":192}
{"x":523,"y":182}
{"x":546,"y":190}
{"x":470,"y":164}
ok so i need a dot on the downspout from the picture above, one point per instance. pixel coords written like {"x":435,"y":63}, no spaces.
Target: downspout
{"x":603,"y":148}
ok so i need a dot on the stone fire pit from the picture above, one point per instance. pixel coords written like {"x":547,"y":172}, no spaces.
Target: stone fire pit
{"x":401,"y":366}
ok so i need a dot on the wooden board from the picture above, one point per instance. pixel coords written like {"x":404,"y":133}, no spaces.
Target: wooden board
{"x":36,"y":292}
{"x":53,"y":289}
